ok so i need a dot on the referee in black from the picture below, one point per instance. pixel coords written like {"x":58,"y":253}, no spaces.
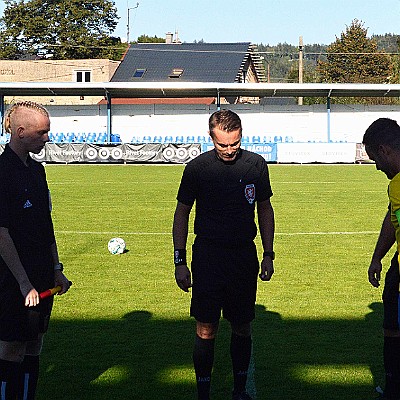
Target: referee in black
{"x":29,"y":262}
{"x":226,"y":183}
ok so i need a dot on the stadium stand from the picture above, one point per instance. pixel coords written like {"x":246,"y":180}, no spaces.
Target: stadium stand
{"x":267,"y":139}
{"x":201,"y":139}
{"x":4,"y":138}
{"x":79,"y":138}
{"x":90,"y":138}
{"x":102,"y":138}
{"x":115,"y":139}
{"x":69,"y":137}
{"x":58,"y":137}
{"x":147,"y":139}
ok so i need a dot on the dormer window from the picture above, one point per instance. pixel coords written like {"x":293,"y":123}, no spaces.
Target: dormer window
{"x":176,"y":73}
{"x":83,"y":76}
{"x":139,"y":72}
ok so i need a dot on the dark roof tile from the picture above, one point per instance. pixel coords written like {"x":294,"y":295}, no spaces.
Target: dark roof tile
{"x":201,"y":62}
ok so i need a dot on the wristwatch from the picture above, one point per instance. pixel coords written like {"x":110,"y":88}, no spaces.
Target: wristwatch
{"x":59,"y":267}
{"x":269,"y":254}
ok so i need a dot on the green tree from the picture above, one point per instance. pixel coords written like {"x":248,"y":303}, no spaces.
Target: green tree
{"x":150,"y":39}
{"x":355,"y":58}
{"x":65,"y":29}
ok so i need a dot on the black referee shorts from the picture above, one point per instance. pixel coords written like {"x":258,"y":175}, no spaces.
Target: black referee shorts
{"x":18,"y":322}
{"x":390,"y":296}
{"x":224,"y":278}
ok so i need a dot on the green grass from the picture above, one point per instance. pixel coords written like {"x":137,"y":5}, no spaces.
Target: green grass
{"x":123,"y":330}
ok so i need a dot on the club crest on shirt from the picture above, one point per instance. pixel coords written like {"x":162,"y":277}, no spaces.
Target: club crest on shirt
{"x":250,"y":193}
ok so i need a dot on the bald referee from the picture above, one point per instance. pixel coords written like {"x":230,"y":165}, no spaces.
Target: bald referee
{"x":226,"y":184}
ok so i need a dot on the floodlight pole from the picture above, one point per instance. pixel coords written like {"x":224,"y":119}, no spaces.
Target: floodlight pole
{"x":300,"y":100}
{"x":127,"y":25}
{"x":1,"y":113}
{"x":328,"y":109}
{"x":109,"y":117}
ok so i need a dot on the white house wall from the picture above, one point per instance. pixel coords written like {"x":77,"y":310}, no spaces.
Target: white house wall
{"x":290,"y":123}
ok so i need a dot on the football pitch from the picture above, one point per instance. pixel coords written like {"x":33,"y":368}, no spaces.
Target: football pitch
{"x":123,"y":331}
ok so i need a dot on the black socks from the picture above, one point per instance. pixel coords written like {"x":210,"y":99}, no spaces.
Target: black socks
{"x":391,"y":360}
{"x":241,"y":355}
{"x":203,"y":360}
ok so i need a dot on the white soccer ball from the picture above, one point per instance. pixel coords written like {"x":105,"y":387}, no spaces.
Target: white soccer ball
{"x":116,"y":246}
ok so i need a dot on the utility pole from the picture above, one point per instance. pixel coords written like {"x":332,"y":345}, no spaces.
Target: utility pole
{"x":300,"y":101}
{"x":127,"y":25}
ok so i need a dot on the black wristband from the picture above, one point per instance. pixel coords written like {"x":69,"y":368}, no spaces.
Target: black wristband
{"x":269,"y":254}
{"x":180,"y":257}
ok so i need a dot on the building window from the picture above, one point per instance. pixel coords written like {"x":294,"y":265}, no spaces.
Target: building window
{"x":176,"y":73}
{"x":139,"y":72}
{"x":83,"y":76}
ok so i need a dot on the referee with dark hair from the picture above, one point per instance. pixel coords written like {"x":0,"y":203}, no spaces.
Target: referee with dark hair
{"x":226,"y":183}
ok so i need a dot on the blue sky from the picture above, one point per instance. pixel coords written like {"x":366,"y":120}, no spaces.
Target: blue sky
{"x":256,"y":21}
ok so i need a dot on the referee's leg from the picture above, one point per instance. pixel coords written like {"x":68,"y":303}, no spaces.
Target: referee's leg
{"x":203,"y":357}
{"x":241,"y":346}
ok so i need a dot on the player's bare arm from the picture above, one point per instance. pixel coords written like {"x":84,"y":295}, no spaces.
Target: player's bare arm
{"x":59,"y":278}
{"x":9,"y":254}
{"x":179,"y":234}
{"x":385,"y":241}
{"x":266,"y":223}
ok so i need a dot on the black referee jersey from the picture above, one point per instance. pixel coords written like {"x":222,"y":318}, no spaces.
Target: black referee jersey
{"x":25,"y":212}
{"x":225,"y":194}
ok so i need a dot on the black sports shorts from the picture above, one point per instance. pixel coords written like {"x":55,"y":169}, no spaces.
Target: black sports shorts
{"x":18,"y":322}
{"x":390,"y":296}
{"x":224,"y":278}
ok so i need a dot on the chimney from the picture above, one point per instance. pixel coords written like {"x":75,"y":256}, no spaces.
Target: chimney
{"x":177,"y":40}
{"x":169,"y":38}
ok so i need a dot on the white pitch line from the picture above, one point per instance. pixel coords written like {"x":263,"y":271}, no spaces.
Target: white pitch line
{"x":169,"y":233}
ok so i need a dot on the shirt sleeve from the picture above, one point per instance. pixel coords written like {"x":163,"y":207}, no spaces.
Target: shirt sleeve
{"x":264,"y":190}
{"x":4,"y":209}
{"x":394,"y":194}
{"x":187,"y":188}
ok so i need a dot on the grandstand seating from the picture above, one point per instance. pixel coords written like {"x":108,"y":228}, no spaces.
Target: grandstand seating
{"x":147,"y":139}
{"x":201,"y":139}
{"x":68,"y":137}
{"x":116,"y":139}
{"x":5,"y":138}
{"x":90,"y":138}
{"x":102,"y":138}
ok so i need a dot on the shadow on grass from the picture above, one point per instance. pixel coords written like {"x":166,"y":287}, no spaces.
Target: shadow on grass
{"x":140,"y":357}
